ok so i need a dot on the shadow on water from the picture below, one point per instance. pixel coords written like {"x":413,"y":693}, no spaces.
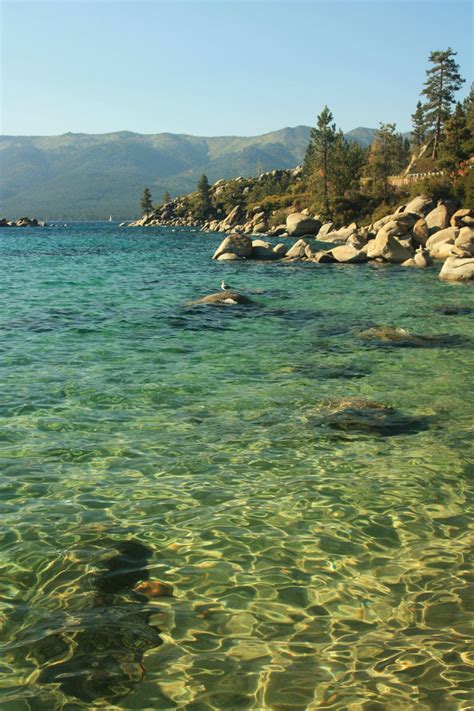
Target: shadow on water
{"x":96,"y":654}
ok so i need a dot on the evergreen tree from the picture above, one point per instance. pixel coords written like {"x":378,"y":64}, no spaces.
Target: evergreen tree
{"x":166,"y":197}
{"x":468,"y":106}
{"x":388,"y":156}
{"x":145,"y":203}
{"x":418,"y":124}
{"x":319,"y":159}
{"x":204,"y":197}
{"x":443,"y":81}
{"x":456,"y":145}
{"x":347,"y":161}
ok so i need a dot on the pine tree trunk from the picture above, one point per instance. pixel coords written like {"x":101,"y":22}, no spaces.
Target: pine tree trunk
{"x":437,"y":135}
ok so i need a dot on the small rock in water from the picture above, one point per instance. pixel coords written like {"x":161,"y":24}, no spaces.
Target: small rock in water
{"x":222,"y":297}
{"x":154,"y":588}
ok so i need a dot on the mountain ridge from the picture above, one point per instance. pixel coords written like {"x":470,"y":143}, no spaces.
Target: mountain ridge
{"x":89,"y":176}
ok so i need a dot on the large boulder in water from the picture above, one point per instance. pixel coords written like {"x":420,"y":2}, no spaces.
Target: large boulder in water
{"x":456,"y":269}
{"x":280,"y":249}
{"x":465,"y":239}
{"x":238,"y":244}
{"x":388,"y":248}
{"x":263,"y":250}
{"x":223,"y":298}
{"x":298,"y":224}
{"x":441,"y":237}
{"x":298,"y":250}
{"x":347,"y":254}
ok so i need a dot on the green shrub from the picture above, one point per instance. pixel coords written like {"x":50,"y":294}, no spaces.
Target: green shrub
{"x":465,"y":190}
{"x":437,"y":187}
{"x":381,"y":211}
{"x":279,"y":218}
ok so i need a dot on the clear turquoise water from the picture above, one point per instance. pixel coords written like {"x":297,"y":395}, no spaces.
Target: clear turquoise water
{"x":313,"y":568}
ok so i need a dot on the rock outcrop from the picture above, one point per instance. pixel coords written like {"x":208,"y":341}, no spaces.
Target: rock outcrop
{"x":21,"y":222}
{"x":298,"y":224}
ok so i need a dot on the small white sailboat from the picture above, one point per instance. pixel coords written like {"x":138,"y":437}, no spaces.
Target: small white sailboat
{"x":110,"y":218}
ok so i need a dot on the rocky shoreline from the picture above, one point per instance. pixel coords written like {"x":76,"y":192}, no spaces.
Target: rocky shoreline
{"x":416,"y":235}
{"x":21,"y":222}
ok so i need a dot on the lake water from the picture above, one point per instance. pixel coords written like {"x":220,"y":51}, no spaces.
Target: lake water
{"x":317,"y":562}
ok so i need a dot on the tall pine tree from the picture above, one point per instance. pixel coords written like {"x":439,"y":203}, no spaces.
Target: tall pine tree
{"x":443,"y":81}
{"x":388,"y":156}
{"x":456,"y":145}
{"x":319,"y":158}
{"x":418,"y":124}
{"x":145,"y":203}
{"x":204,"y":197}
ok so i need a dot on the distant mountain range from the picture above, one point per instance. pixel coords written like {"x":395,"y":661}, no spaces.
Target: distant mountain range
{"x":79,"y":176}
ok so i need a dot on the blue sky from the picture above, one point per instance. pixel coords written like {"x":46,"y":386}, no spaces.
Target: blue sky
{"x":220,"y":67}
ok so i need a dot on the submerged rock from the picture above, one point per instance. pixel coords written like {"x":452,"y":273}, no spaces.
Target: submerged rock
{"x":154,"y":588}
{"x":96,"y":654}
{"x":454,"y":310}
{"x":389,"y":336}
{"x":358,"y":415}
{"x":228,"y":297}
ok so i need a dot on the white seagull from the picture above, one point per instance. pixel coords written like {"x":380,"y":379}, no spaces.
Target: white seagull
{"x":224,"y":286}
